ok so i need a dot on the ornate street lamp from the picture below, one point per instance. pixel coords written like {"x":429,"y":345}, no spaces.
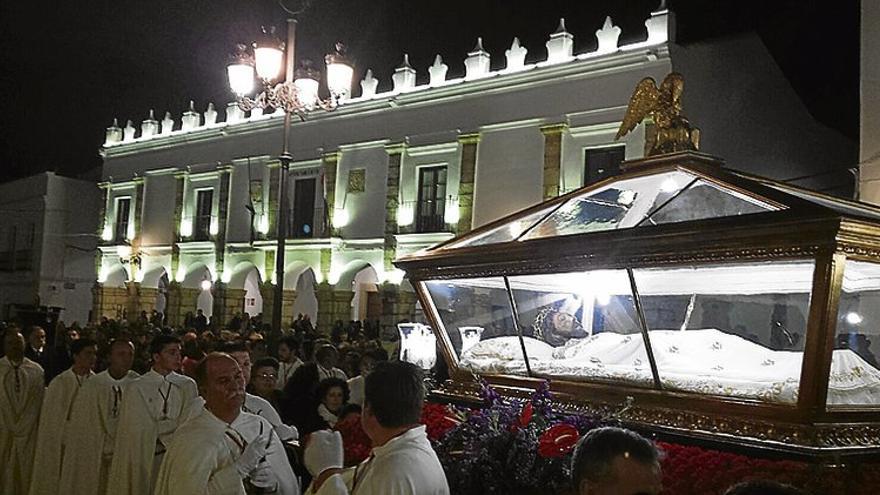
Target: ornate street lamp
{"x":296,"y":94}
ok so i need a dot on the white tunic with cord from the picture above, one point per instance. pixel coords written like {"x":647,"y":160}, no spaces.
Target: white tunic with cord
{"x":51,"y":441}
{"x":153,"y":406}
{"x":21,"y":395}
{"x":92,"y":433}
{"x":406,"y":465}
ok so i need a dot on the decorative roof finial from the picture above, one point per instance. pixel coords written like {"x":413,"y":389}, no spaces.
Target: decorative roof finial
{"x":673,"y":131}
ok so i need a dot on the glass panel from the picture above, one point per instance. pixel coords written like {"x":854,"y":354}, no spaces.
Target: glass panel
{"x":702,"y":200}
{"x":846,"y":207}
{"x":477,"y":318}
{"x":619,"y":205}
{"x":855,"y":379}
{"x":582,"y":326}
{"x":734,"y":329}
{"x":503,"y":233}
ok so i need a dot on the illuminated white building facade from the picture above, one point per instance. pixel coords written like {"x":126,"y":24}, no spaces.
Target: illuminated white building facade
{"x":189,"y":207}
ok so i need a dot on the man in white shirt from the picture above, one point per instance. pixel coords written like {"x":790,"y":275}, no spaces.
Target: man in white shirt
{"x":356,"y":384}
{"x":21,"y":395}
{"x":402,"y":461}
{"x":93,"y":421}
{"x":327,"y":357}
{"x":288,"y":360}
{"x":55,"y":417}
{"x":153,"y":406}
{"x":223,"y":450}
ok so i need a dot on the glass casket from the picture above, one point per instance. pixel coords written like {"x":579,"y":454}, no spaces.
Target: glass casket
{"x":680,"y":297}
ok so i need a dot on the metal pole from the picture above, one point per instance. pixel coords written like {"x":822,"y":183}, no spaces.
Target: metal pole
{"x":285,"y":158}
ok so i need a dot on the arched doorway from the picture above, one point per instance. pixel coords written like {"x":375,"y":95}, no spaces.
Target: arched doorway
{"x":366,"y":305}
{"x":246,"y":277}
{"x":253,"y":299}
{"x":200,"y":281}
{"x":306,"y":302}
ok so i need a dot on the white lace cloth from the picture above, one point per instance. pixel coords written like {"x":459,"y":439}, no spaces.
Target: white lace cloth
{"x":705,"y":361}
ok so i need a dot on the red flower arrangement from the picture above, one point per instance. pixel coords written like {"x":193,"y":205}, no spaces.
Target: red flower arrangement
{"x":557,"y":441}
{"x":438,"y":419}
{"x":526,"y":415}
{"x":356,"y":444}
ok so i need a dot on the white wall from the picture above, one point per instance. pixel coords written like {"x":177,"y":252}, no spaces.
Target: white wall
{"x":510,"y":173}
{"x":869,"y":153}
{"x":366,"y":209}
{"x":160,"y":194}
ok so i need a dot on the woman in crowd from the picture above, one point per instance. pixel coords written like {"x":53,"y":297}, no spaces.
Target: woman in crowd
{"x":333,"y":394}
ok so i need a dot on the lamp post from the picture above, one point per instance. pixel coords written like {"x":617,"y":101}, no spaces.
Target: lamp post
{"x":296,"y":95}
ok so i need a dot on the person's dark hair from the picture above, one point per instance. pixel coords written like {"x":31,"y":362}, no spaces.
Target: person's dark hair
{"x":595,"y":452}
{"x":233,"y":346}
{"x":395,"y":392}
{"x":78,"y":345}
{"x":266,"y":361}
{"x":160,"y":341}
{"x":328,"y":383}
{"x":120,"y":341}
{"x":762,"y":487}
{"x":324,"y":352}
{"x":291,"y":342}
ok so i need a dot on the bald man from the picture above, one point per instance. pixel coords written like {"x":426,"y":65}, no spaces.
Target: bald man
{"x":21,"y":396}
{"x":222,"y":449}
{"x":93,"y":420}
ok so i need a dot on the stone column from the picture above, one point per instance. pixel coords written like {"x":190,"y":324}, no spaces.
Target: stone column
{"x":227,"y":302}
{"x":132,"y":300}
{"x":469,"y":143}
{"x":392,"y":201}
{"x":109,"y":301}
{"x":274,"y":192}
{"x":267,"y":290}
{"x":330,"y":164}
{"x":179,"y":186}
{"x":552,"y":158}
{"x":397,"y":305}
{"x":222,"y":221}
{"x":188,"y":300}
{"x":332,"y":305}
{"x":102,"y":212}
{"x":173,"y":304}
{"x":147,"y":299}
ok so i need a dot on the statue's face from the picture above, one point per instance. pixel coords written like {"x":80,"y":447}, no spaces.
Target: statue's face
{"x":563,"y":323}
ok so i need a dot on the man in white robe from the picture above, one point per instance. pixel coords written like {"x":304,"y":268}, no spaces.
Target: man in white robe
{"x":153,"y":406}
{"x":55,"y":417}
{"x":223,"y":449}
{"x":402,"y":461}
{"x":92,"y":427}
{"x":255,"y":404}
{"x":21,"y":395}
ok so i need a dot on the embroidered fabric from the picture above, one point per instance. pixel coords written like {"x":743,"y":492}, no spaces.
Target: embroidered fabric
{"x":706,"y":361}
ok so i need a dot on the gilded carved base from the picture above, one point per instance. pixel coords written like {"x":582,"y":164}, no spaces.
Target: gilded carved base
{"x":801,"y":440}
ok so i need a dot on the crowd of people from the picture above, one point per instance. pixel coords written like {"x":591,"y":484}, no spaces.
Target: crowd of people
{"x":136,"y":408}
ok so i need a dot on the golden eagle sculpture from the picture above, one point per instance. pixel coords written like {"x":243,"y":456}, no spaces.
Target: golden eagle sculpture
{"x":663,"y":106}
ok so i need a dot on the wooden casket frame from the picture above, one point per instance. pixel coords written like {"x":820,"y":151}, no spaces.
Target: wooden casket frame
{"x":810,"y":225}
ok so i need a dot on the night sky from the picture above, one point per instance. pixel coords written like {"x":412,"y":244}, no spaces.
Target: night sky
{"x":70,"y":67}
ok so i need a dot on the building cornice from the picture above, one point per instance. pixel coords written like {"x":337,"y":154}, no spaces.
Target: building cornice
{"x":531,"y":76}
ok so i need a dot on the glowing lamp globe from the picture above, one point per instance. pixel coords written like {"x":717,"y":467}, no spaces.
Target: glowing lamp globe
{"x":269,"y":60}
{"x":241,"y":78}
{"x":339,"y":73}
{"x":206,"y":284}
